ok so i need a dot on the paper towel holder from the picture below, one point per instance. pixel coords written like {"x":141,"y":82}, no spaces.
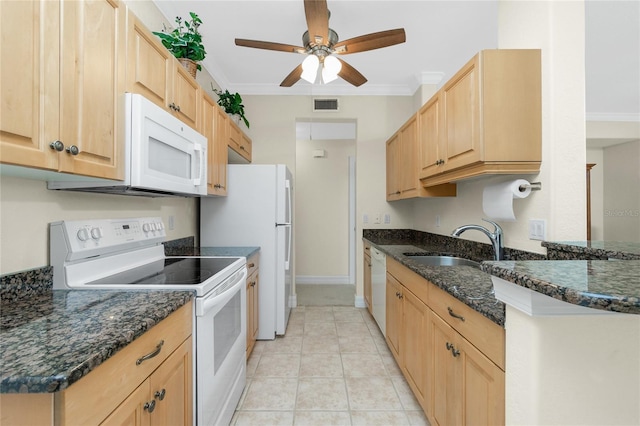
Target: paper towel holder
{"x":535,"y":186}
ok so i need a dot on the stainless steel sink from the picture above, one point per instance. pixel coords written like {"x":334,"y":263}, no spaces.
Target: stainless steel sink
{"x":443,"y":261}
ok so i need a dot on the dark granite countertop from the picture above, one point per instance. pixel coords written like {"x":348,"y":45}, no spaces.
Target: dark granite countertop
{"x":211,"y":251}
{"x":592,"y":250}
{"x":610,"y":285}
{"x":466,"y":283}
{"x":50,"y":340}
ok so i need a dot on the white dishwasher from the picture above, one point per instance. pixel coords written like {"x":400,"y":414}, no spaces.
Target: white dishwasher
{"x":378,"y":287}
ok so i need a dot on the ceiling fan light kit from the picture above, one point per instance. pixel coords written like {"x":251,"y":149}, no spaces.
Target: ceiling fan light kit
{"x":321,"y":44}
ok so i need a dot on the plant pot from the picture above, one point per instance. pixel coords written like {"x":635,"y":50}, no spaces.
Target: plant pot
{"x":190,"y":65}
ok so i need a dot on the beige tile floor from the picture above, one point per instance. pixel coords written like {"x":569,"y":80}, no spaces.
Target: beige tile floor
{"x":332,"y":367}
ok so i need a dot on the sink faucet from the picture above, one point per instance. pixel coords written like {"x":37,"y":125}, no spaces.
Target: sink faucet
{"x":495,"y":236}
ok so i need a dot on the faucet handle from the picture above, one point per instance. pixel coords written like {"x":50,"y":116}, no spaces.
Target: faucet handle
{"x":497,"y":228}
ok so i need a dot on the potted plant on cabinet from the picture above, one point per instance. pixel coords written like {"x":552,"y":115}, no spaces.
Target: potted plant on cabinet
{"x":185,"y":42}
{"x":231,"y":103}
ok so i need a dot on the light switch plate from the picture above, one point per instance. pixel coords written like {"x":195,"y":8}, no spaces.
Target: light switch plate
{"x":537,"y":229}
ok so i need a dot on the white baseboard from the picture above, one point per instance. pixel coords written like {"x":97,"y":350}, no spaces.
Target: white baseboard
{"x":293,"y":300}
{"x":359,"y":302}
{"x":323,"y":279}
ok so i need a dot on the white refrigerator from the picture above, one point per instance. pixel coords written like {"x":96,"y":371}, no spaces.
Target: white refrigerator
{"x":257,"y":212}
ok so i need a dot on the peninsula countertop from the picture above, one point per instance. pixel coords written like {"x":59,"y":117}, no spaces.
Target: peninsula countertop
{"x":51,"y":340}
{"x":609,"y":285}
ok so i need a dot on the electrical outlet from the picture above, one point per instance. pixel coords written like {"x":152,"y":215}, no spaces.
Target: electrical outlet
{"x":172,"y":223}
{"x":365,"y":218}
{"x":387,"y":218}
{"x":378,"y":218}
{"x":437,"y":221}
{"x":537,"y":229}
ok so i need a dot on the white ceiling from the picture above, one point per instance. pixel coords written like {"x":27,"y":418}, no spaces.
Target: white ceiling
{"x":441,"y":37}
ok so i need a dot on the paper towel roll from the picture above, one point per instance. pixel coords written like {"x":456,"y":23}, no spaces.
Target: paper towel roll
{"x":497,"y":200}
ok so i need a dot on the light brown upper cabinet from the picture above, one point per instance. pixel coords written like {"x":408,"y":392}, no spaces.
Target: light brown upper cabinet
{"x":239,"y":142}
{"x":153,"y":72}
{"x":214,"y":128}
{"x":487,"y":119}
{"x":61,"y":80}
{"x":403,"y":159}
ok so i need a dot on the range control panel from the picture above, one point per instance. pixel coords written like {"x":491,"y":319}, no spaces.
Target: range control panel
{"x":85,"y":238}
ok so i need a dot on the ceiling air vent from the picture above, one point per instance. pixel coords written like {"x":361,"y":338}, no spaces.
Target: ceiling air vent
{"x":325,"y":105}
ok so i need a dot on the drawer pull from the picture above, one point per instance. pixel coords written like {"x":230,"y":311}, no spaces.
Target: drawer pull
{"x":160,"y":394}
{"x":453,"y":314}
{"x":150,"y":355}
{"x":251,"y":265}
{"x":150,"y":406}
{"x":455,"y":352}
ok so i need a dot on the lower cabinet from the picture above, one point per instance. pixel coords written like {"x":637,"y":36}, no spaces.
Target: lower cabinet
{"x":253,"y":279}
{"x":366,"y":267}
{"x":149,"y":382}
{"x":454,"y":366}
{"x":164,"y":398}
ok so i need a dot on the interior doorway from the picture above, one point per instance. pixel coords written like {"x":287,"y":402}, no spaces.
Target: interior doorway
{"x":325,"y":202}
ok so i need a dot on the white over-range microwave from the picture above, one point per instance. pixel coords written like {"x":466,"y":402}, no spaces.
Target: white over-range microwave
{"x":163,"y":156}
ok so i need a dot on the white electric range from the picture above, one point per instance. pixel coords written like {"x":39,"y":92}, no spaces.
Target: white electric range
{"x":128,"y":254}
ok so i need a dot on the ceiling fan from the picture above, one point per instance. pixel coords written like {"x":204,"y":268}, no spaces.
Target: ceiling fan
{"x":321,"y":45}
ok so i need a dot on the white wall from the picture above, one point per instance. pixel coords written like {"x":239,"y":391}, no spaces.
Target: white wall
{"x":26,"y":206}
{"x":622,"y":192}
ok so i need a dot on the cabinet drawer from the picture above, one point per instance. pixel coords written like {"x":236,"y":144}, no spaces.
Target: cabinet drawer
{"x":484,"y":334}
{"x":93,"y":397}
{"x":412,"y":281}
{"x":252,"y":264}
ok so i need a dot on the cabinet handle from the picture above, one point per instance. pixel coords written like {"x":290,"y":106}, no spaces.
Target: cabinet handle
{"x":453,"y":314}
{"x":174,"y":107}
{"x":160,"y":394}
{"x":397,"y":193}
{"x":455,"y":352}
{"x":218,"y":186}
{"x":73,"y":150}
{"x":253,"y":284}
{"x":57,"y":145}
{"x":150,"y":406}
{"x":178,"y":108}
{"x":251,"y":265}
{"x":150,"y":355}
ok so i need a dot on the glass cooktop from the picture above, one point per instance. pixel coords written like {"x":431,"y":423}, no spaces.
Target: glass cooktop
{"x":171,"y":271}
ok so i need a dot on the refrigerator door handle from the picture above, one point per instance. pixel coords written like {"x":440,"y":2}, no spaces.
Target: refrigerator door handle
{"x":287,"y":185}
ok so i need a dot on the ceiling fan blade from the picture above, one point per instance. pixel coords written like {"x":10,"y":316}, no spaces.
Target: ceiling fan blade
{"x":317,"y":15}
{"x":267,"y":45}
{"x":371,"y":41}
{"x":293,"y":77}
{"x":351,"y":75}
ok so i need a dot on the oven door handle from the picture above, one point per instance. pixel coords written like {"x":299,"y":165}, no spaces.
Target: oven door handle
{"x":222,"y":294}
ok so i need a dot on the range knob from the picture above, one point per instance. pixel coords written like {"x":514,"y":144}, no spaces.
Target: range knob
{"x":146,"y":227}
{"x":96,"y":233}
{"x":159,"y":226}
{"x":83,"y":234}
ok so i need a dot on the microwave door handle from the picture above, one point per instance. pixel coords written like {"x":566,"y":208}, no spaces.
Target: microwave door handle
{"x":198,"y":149}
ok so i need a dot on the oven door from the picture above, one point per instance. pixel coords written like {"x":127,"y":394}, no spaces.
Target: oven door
{"x":221,"y":350}
{"x":165,"y":152}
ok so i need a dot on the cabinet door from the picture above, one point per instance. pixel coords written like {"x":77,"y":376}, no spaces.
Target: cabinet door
{"x":431,"y":150}
{"x":483,"y":388}
{"x":221,"y":137}
{"x":394,"y":316}
{"x":252,"y":311}
{"x":132,"y":411}
{"x":171,"y":388}
{"x":393,"y":168}
{"x":246,"y":147}
{"x":150,"y":66}
{"x":367,"y":280}
{"x":447,"y":373}
{"x":217,"y":158}
{"x":235,"y":136}
{"x":92,"y":82}
{"x":415,"y":316}
{"x":461,"y":103}
{"x":186,"y":97}
{"x":29,"y":82}
{"x":408,"y":164}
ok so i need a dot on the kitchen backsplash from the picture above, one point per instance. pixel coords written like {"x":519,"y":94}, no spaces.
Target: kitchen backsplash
{"x":26,"y":284}
{"x":458,"y":246}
